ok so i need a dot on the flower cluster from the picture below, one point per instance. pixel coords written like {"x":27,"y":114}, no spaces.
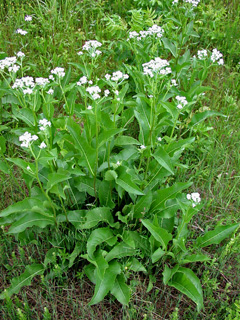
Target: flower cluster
{"x":59,"y":72}
{"x":91,"y":47}
{"x":195,"y":197}
{"x":94,"y":92}
{"x":26,"y":138}
{"x":28,"y":18}
{"x":43,"y":124}
{"x":84,"y":80}
{"x":41,"y":81}
{"x":117,"y":76}
{"x":202,"y":54}
{"x":217,"y":56}
{"x":157,"y":65}
{"x":193,"y":2}
{"x":182,"y":101}
{"x":9,"y":62}
{"x":22,"y":32}
{"x":155,"y":29}
{"x":26,"y":83}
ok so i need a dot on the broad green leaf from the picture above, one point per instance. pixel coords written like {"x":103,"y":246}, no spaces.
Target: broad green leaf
{"x":120,"y":290}
{"x":104,"y":285}
{"x":105,"y":195}
{"x":4,"y":167}
{"x":157,"y":255}
{"x":29,"y":220}
{"x":161,"y":196}
{"x":137,"y":266}
{"x":163,"y":159}
{"x":97,"y":237}
{"x":23,"y":165}
{"x":120,"y":250}
{"x":142,"y":205}
{"x":201,"y":116}
{"x":170,"y":46}
{"x":23,"y":280}
{"x":160,"y":234}
{"x":96,"y":215}
{"x":21,"y":206}
{"x":88,"y":152}
{"x":125,"y":140}
{"x":26,"y":115}
{"x":107,"y":135}
{"x":194,"y":258}
{"x":77,"y":250}
{"x":56,"y":178}
{"x":77,"y":218}
{"x":111,"y":175}
{"x":188,"y":283}
{"x":216,"y":236}
{"x":125,"y":181}
{"x":168,"y":273}
{"x":2,"y":145}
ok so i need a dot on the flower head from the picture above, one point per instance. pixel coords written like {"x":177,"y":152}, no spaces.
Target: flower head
{"x":43,"y":124}
{"x":58,"y":72}
{"x":28,"y":18}
{"x":22,"y":32}
{"x":26,"y":138}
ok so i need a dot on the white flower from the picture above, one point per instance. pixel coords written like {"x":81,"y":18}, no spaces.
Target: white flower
{"x":7,"y":62}
{"x":28,"y":168}
{"x":106,"y":93}
{"x":20,"y":54}
{"x":27,"y":91}
{"x":119,"y":76}
{"x":142,"y":147}
{"x":91,"y":44}
{"x":94,"y":92}
{"x":155,"y":66}
{"x":80,"y":53}
{"x":174,"y":83}
{"x":50,"y":91}
{"x":22,"y":32}
{"x":116,"y":92}
{"x":202,"y":54}
{"x":51,"y":77}
{"x":193,"y":2}
{"x":90,"y":82}
{"x":175,"y":1}
{"x":43,"y":124}
{"x":182,"y":102}
{"x":159,"y":139}
{"x":195,"y":197}
{"x":41,"y":81}
{"x":216,"y":55}
{"x":107,"y":76}
{"x":14,"y":68}
{"x":89,"y":107}
{"x":43,"y":145}
{"x":82,"y":81}
{"x":154,"y":30}
{"x":28,"y":18}
{"x":58,"y":72}
{"x":26,"y":138}
{"x":220,"y":62}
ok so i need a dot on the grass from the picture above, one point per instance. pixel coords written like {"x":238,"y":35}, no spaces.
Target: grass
{"x":58,"y":31}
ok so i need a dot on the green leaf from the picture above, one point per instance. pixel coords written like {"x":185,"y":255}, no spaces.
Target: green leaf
{"x":23,"y":165}
{"x":120,"y":290}
{"x":157,"y":255}
{"x":188,"y":283}
{"x":170,"y":46}
{"x":163,"y":159}
{"x":4,"y":167}
{"x":56,"y":178}
{"x":97,"y":237}
{"x":161,"y":196}
{"x":158,"y":233}
{"x":216,"y":236}
{"x":89,"y":153}
{"x":125,"y":140}
{"x":29,"y":220}
{"x":2,"y":145}
{"x":77,"y":218}
{"x":96,"y":215}
{"x":21,"y":206}
{"x":168,"y":273}
{"x":142,"y":205}
{"x":194,"y":258}
{"x":77,"y":250}
{"x":125,"y":181}
{"x":119,"y":251}
{"x":26,"y":115}
{"x":23,"y":280}
{"x":107,"y":135}
{"x":104,"y":285}
{"x":201,"y":116}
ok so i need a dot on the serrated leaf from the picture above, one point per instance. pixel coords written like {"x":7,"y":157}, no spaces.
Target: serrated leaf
{"x":23,"y":280}
{"x":160,"y":234}
{"x":163,"y":159}
{"x":29,"y":220}
{"x":104,"y":285}
{"x":120,"y":290}
{"x":216,"y":236}
{"x":188,"y":283}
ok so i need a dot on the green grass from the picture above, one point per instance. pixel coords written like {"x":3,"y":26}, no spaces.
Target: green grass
{"x":56,"y":34}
